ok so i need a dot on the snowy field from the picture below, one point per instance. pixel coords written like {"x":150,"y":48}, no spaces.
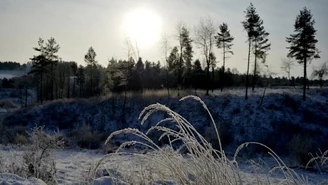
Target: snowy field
{"x":273,"y":119}
{"x":73,"y":165}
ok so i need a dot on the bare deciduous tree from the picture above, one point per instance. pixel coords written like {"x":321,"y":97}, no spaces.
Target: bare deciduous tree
{"x":165,"y":49}
{"x":320,"y":72}
{"x":204,"y":38}
{"x":286,"y":66}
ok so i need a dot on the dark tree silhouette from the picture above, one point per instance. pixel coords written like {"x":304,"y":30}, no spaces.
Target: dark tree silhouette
{"x":51,"y":51}
{"x":197,"y":75}
{"x":173,"y":66}
{"x":90,"y":59}
{"x":39,"y":70}
{"x":224,"y":41}
{"x":185,"y":52}
{"x":252,"y":21}
{"x":261,"y":47}
{"x":303,"y":42}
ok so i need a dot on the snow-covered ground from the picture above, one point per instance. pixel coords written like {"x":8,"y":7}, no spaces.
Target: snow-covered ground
{"x":72,"y":168}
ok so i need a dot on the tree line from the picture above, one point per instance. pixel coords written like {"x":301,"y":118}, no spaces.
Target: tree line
{"x":10,"y":65}
{"x":55,"y":78}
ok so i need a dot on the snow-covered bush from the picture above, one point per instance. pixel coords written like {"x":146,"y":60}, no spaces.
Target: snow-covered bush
{"x":38,"y":158}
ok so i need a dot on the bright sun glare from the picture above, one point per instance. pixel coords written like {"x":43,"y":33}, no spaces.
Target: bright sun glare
{"x":143,"y":26}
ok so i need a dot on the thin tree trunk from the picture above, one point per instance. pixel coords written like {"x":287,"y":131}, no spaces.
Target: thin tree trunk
{"x":208,"y":77}
{"x":123,"y":109}
{"x":249,"y":53}
{"x":51,"y":81}
{"x":304,"y":81}
{"x":213,"y":80}
{"x":223,"y":69}
{"x":25,"y":90}
{"x":73,"y":90}
{"x":254,"y":74}
{"x":68,"y":87}
{"x":41,"y":89}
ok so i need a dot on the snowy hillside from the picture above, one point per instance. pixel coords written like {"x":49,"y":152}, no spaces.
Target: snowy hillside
{"x":280,"y":120}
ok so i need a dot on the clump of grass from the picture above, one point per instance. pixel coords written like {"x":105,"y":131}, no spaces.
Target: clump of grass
{"x":319,"y":160}
{"x":202,"y":164}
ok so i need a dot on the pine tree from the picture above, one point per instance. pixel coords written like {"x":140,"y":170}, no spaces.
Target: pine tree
{"x":185,"y":53}
{"x":252,"y":21}
{"x":197,"y":75}
{"x":51,"y":49}
{"x":173,"y":63}
{"x":90,"y":59}
{"x":302,"y":43}
{"x":224,"y":41}
{"x":187,"y":56}
{"x":261,"y":46}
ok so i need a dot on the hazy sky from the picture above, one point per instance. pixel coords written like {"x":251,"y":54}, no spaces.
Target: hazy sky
{"x":79,"y":24}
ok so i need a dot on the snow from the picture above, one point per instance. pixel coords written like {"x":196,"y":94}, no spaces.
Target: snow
{"x":11,"y":179}
{"x":73,"y":164}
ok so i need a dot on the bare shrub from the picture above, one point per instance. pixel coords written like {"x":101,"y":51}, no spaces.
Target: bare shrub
{"x":38,"y":159}
{"x":10,"y":163}
{"x":86,"y":137}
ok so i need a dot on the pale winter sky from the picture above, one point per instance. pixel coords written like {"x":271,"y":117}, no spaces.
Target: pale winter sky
{"x":105,"y":24}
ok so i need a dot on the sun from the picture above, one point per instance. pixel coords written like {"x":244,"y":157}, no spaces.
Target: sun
{"x":143,"y":26}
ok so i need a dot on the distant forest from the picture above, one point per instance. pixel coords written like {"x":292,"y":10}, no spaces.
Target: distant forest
{"x":9,"y":65}
{"x":73,"y":81}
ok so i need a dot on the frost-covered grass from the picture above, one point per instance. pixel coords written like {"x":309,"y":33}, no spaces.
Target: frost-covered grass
{"x":199,"y":163}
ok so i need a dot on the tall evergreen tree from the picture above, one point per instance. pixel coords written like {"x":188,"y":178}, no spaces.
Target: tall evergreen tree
{"x":173,"y":63}
{"x":252,"y":21}
{"x":185,"y":52}
{"x":224,"y":41}
{"x":197,"y":75}
{"x":260,"y":47}
{"x":39,"y":70}
{"x":90,"y":59}
{"x":51,"y":49}
{"x":303,"y":42}
{"x":187,"y":56}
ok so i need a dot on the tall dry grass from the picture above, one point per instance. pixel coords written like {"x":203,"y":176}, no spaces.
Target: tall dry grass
{"x":195,"y":161}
